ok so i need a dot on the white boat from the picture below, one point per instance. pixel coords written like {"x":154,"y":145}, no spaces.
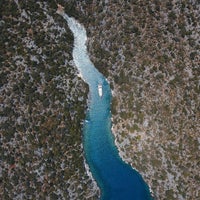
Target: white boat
{"x":100,"y":91}
{"x":80,"y":75}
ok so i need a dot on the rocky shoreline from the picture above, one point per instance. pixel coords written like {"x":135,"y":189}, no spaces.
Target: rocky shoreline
{"x":42,"y":107}
{"x":149,"y":52}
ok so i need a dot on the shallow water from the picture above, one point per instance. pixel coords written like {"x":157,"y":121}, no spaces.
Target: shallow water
{"x":116,"y":179}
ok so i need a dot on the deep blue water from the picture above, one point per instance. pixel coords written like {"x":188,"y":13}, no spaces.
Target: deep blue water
{"x":116,"y":179}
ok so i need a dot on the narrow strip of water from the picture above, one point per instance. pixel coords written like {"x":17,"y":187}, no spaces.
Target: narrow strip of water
{"x":116,"y":179}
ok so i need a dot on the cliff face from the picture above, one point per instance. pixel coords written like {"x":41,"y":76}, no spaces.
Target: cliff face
{"x":42,"y":106}
{"x":149,"y":51}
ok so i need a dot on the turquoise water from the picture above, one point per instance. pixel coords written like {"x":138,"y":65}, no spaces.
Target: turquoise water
{"x":116,"y":179}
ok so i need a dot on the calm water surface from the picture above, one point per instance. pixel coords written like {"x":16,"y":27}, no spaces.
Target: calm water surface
{"x":116,"y":179}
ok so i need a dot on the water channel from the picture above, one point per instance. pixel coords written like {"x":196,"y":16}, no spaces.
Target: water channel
{"x":116,"y":179}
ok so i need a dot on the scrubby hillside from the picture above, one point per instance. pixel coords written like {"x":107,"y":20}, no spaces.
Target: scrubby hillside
{"x":148,"y":50}
{"x":42,"y":106}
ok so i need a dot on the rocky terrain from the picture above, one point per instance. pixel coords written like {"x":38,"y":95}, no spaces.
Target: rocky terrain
{"x":148,"y":50}
{"x":42,"y":107}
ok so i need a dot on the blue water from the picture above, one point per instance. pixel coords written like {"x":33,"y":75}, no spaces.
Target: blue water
{"x":116,"y":179}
